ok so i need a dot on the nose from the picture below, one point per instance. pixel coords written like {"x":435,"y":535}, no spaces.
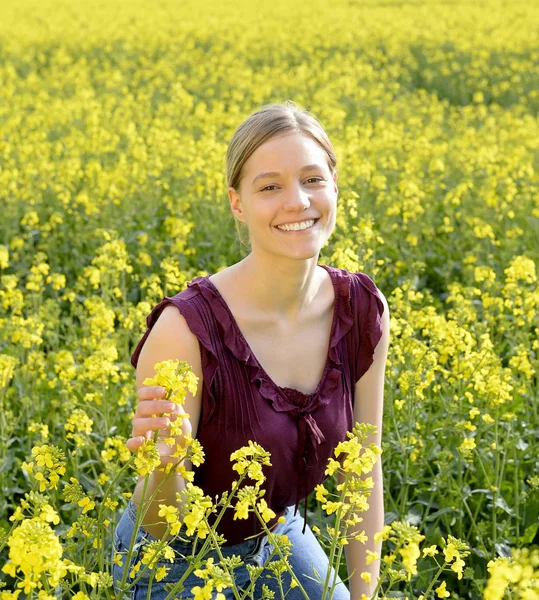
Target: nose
{"x":297,"y":199}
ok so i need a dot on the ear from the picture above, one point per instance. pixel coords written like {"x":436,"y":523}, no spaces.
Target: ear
{"x":235,"y":204}
{"x":335,"y":180}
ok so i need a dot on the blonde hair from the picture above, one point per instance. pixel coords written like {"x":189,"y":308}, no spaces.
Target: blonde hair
{"x":264,"y":124}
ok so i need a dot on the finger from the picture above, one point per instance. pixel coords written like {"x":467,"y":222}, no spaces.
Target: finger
{"x":164,"y":449}
{"x":151,"y":391}
{"x":134,"y":443}
{"x":145,"y":425}
{"x":147,"y":408}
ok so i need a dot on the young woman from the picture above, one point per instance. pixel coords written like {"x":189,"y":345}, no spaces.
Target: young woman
{"x":289,"y":353}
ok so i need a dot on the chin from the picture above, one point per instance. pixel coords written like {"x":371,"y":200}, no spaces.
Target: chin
{"x":302,"y":254}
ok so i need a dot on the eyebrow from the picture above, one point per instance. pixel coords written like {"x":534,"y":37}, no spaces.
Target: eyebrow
{"x":275,"y":174}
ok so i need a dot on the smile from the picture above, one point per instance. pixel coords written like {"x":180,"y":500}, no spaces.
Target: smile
{"x":295,"y":227}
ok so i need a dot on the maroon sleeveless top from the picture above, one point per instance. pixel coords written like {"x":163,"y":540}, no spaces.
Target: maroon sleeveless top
{"x":240,"y":402}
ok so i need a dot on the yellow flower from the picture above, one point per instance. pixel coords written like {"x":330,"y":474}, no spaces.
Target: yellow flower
{"x":266,"y":512}
{"x":176,"y":377}
{"x":241,"y":510}
{"x":331,"y":507}
{"x":441,"y":591}
{"x":49,"y":515}
{"x":202,"y":530}
{"x":193,"y":519}
{"x":117,"y":560}
{"x":186,"y":474}
{"x":366,"y":576}
{"x":251,"y":458}
{"x":17,"y":515}
{"x":321,"y":493}
{"x":147,"y":458}
{"x":430,"y":551}
{"x":35,"y":551}
{"x":135,"y":569}
{"x":161,"y":573}
{"x":10,"y":595}
{"x":169,"y":512}
{"x":333,"y":465}
{"x":361,"y":537}
{"x":86,"y":504}
{"x":27,"y":467}
{"x":382,"y":535}
{"x":450,"y":552}
{"x":458,"y":566}
{"x":202,"y":593}
{"x":410,"y":553}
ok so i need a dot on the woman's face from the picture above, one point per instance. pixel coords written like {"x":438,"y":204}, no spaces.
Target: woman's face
{"x":287,"y":180}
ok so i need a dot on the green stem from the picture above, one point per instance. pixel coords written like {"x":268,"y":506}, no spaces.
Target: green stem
{"x":516,"y":488}
{"x":150,"y":559}
{"x":336,"y":568}
{"x":495,"y":492}
{"x":271,"y":538}
{"x":149,"y":594}
{"x":206,"y":543}
{"x":431,"y":585}
{"x":138,"y":520}
{"x":247,"y":592}
{"x":478,"y":456}
{"x":102,"y":504}
{"x":335,"y":536}
{"x":221,"y":559}
{"x":474,"y":523}
{"x":384,"y":573}
{"x":142,"y":510}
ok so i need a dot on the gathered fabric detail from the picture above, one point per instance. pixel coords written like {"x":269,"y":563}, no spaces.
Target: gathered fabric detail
{"x":284,"y":399}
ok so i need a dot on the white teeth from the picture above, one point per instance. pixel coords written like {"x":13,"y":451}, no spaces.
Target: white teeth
{"x":297,"y":226}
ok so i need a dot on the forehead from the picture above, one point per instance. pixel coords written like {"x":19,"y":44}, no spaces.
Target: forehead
{"x":290,"y":151}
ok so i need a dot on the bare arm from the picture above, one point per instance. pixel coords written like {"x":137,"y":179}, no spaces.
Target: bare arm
{"x":169,"y":339}
{"x":368,"y":408}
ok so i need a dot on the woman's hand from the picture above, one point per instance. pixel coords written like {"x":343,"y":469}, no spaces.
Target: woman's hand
{"x":149,"y":403}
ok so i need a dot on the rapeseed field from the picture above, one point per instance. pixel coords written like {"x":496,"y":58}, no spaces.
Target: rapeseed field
{"x":114,"y":123}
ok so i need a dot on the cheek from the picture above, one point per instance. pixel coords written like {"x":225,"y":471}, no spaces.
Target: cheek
{"x":264,"y":215}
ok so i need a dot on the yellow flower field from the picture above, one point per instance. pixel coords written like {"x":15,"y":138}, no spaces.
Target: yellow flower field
{"x":114,"y":123}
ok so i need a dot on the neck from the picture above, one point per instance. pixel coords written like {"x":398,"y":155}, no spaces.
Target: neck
{"x":282,"y":287}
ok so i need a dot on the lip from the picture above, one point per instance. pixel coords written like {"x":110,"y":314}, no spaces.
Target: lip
{"x":299,"y":230}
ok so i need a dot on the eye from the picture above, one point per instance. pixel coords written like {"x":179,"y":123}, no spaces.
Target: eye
{"x":317,"y":179}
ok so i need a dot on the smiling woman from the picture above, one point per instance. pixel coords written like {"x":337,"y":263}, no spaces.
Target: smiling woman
{"x":278,"y":342}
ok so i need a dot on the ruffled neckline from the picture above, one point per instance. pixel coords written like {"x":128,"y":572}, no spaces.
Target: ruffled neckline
{"x":282,"y":397}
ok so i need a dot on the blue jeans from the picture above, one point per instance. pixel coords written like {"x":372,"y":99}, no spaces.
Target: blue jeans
{"x":306,"y":554}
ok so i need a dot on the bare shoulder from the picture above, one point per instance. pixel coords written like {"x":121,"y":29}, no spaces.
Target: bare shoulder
{"x":169,"y":339}
{"x":385,"y":315}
